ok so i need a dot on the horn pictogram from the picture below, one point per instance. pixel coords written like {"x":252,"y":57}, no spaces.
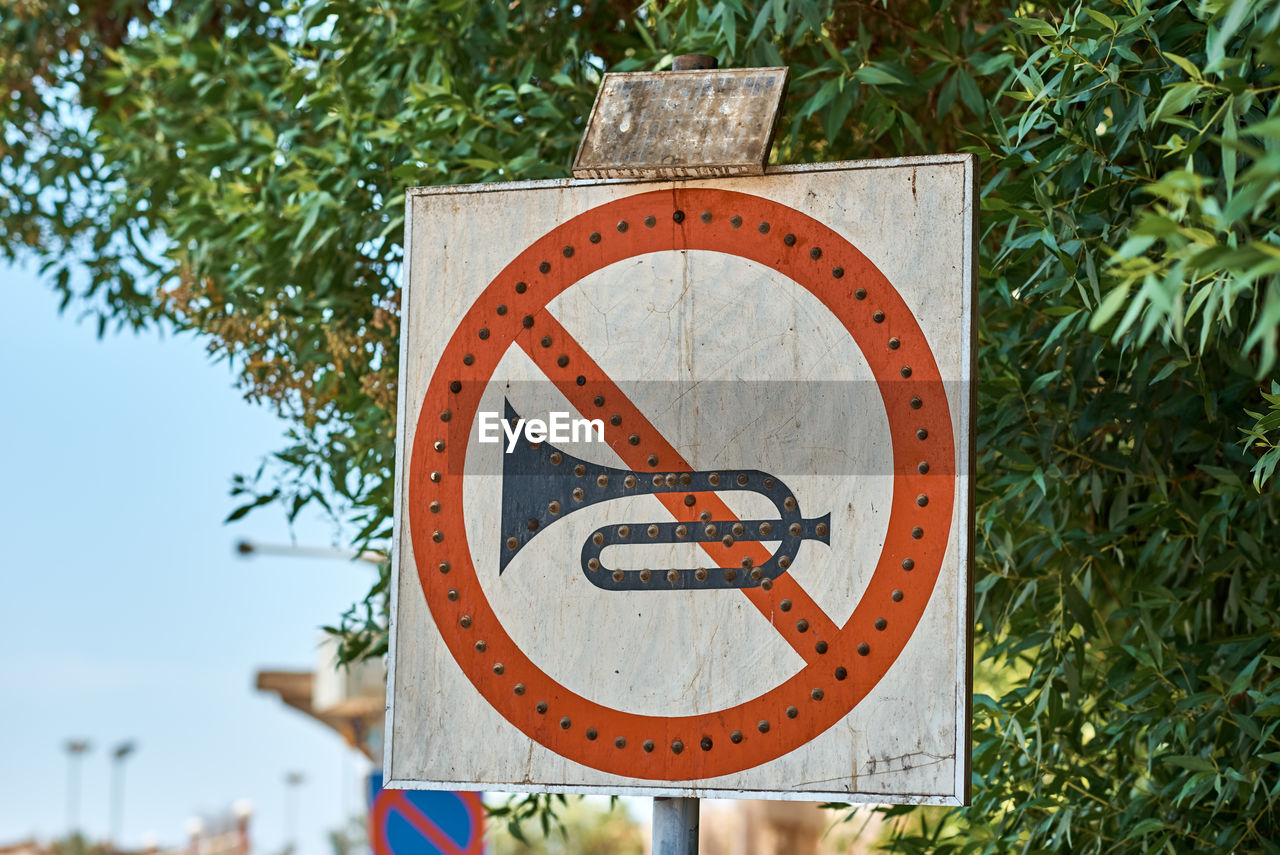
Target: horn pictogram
{"x":542,"y":484}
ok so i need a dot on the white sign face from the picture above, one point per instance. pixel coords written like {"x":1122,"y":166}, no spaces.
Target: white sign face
{"x":684,"y":486}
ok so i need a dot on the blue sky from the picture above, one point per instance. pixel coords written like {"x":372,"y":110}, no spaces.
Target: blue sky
{"x":128,"y":615}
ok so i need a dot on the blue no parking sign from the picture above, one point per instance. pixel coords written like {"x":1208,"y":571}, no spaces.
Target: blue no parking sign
{"x":424,"y":822}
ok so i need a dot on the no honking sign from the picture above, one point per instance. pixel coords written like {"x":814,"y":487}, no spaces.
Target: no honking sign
{"x":748,"y":574}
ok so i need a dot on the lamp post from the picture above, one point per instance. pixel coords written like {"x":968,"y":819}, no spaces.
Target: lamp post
{"x":76,"y":749}
{"x":118,"y":756}
{"x":292,"y":780}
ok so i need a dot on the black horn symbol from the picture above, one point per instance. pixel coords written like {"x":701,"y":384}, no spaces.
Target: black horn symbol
{"x":541,"y":484}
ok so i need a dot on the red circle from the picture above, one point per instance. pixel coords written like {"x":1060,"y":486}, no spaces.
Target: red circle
{"x":766,"y":727}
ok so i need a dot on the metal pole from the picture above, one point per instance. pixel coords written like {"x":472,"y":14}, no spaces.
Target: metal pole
{"x":75,"y":750}
{"x":118,"y":756}
{"x":675,"y":826}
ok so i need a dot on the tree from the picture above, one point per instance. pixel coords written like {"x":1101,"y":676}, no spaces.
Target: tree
{"x":237,"y":172}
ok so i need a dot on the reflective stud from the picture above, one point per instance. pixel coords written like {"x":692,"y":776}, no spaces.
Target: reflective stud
{"x":896,"y":596}
{"x":595,"y":237}
{"x":795,"y":529}
{"x":700,"y":574}
{"x":878,"y":317}
{"x":905,"y":371}
{"x":562,"y":360}
{"x":908,"y":564}
{"x":757,"y":574}
{"x":735,"y":737}
{"x":710,"y":531}
{"x":465,"y":622}
{"x":673,"y":576}
{"x":789,"y":503}
{"x":620,"y":742}
{"x":653,"y":460}
{"x":652,"y":531}
{"x":446,"y":415}
{"x":816,"y":694}
{"x":671,"y":479}
{"x":455,"y":387}
{"x":624,"y":531}
{"x":579,"y":470}
{"x":554,"y":507}
{"x":841,"y":673}
{"x":792,"y":712}
{"x":864,"y":649}
{"x":602,"y":481}
{"x":521,"y":287}
{"x":648,"y":746}
{"x":634,"y":439}
{"x":677,"y":216}
{"x":532,"y":524}
{"x":556,"y":458}
{"x":502,"y":309}
{"x":815,"y":253}
{"x":742,"y":480}
{"x":764,"y":228}
{"x":578,"y":494}
{"x":437,"y":536}
{"x":546,"y":341}
{"x":837,"y":272}
{"x":738,"y":529}
{"x":922,"y":434}
{"x":439,"y":445}
{"x":769,"y":483}
{"x":598,"y":400}
{"x":730,"y":575}
{"x":593,"y":564}
{"x":453,"y":595}
{"x":518,"y":688}
{"x":435,"y":507}
{"x":615,"y":420}
{"x":581,"y":381}
{"x":650,"y":221}
{"x":785,"y":605}
{"x":881,"y":623}
{"x":598,"y":538}
{"x":690,"y":500}
{"x":629,"y":481}
{"x":444,"y":567}
{"x":646,"y":574}
{"x":923,"y":468}
{"x":567,"y":252}
{"x":706,"y":216}
{"x":714,"y":479}
{"x":820,"y":529}
{"x":544,"y":267}
{"x":706,"y":743}
{"x":566,"y":723}
{"x":802,"y":625}
{"x":541,"y":707}
{"x":821,"y":647}
{"x":622,"y":226}
{"x":527,"y":321}
{"x":916,"y":403}
{"x":789,"y":239}
{"x":618,"y":576}
{"x":481,"y":646}
{"x":468,"y":359}
{"x":677,"y":746}
{"x":686,"y":479}
{"x":860,"y":294}
{"x":765,"y":528}
{"x":499,"y":668}
{"x":591,"y":731}
{"x":657,"y":480}
{"x":784,"y":562}
{"x":917,"y":532}
{"x":727,"y":540}
{"x":705,"y":516}
{"x":894,"y":344}
{"x":922,"y":500}
{"x":763,"y":727}
{"x":735,"y":221}
{"x":512,"y":543}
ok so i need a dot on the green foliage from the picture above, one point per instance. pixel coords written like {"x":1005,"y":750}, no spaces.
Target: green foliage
{"x":247,"y":166}
{"x":567,"y":826}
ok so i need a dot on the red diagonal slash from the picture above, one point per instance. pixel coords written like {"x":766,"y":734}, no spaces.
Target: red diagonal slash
{"x":806,"y":626}
{"x":389,"y":800}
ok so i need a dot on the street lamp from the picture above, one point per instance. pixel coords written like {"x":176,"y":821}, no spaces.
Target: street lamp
{"x":76,"y":749}
{"x":122,"y":751}
{"x":249,"y":548}
{"x":292,"y":780}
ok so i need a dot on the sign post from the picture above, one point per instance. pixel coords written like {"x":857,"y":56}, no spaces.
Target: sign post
{"x":683,"y":498}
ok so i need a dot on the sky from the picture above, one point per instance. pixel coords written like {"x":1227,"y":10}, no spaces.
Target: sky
{"x":128,"y":614}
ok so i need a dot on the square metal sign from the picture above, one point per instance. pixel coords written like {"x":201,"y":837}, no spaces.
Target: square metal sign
{"x":684,"y":486}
